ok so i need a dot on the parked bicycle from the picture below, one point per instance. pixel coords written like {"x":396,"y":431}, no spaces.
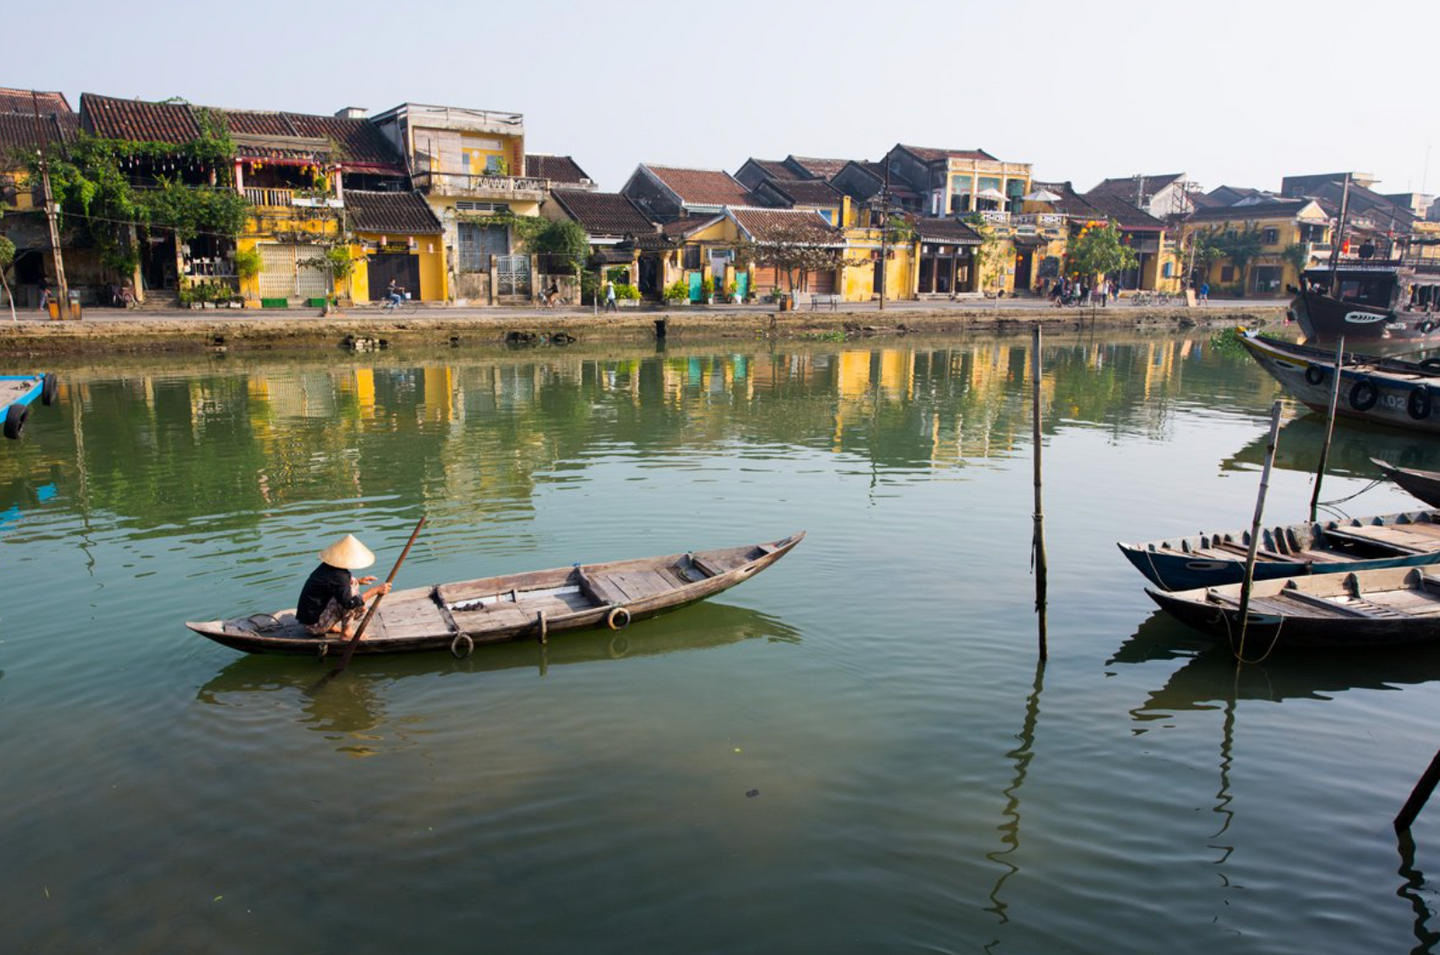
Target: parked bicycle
{"x":1152,"y":298}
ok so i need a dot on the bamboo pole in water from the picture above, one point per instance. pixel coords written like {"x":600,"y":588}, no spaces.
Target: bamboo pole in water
{"x":1329,"y":428}
{"x":1037,"y":544}
{"x":1418,"y":796}
{"x":1255,"y":525}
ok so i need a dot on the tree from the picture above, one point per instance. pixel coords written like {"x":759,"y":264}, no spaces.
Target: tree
{"x":1240,"y":247}
{"x":563,"y":239}
{"x":1098,"y":250}
{"x":1297,"y":256}
{"x":792,"y":248}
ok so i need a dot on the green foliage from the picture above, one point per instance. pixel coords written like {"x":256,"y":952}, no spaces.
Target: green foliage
{"x":1097,"y":250}
{"x":677,"y":291}
{"x":189,"y":211}
{"x":589,"y":287}
{"x":707,"y":287}
{"x":989,"y":254}
{"x":1227,"y":342}
{"x":1296,"y":256}
{"x":201,"y":292}
{"x":626,"y":292}
{"x":564,"y":238}
{"x":7,"y":252}
{"x":247,"y":263}
{"x":619,"y":274}
{"x":1240,"y":247}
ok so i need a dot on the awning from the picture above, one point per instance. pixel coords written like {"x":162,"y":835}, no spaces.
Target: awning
{"x":1030,"y":241}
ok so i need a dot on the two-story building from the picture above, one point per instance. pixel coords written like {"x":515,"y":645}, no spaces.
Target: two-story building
{"x":1162,"y":196}
{"x":957,"y":181}
{"x":1279,"y":224}
{"x":668,"y":193}
{"x":22,"y":129}
{"x":470,"y":165}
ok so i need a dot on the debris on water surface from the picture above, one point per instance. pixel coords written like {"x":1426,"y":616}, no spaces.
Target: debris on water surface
{"x":752,"y":794}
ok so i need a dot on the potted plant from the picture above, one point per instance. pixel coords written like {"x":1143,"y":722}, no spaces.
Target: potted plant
{"x":730,"y":293}
{"x":707,"y":290}
{"x":676,"y":292}
{"x":780,"y":298}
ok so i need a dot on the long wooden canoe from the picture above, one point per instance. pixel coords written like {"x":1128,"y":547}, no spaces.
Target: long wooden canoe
{"x":1371,"y":608}
{"x":1409,"y":539}
{"x":1424,"y":485}
{"x":529,"y":606}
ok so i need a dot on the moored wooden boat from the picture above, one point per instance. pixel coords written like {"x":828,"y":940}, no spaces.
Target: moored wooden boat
{"x":1409,"y":539}
{"x":536,"y":605}
{"x":1371,"y":608}
{"x":1386,"y":390}
{"x":17,"y":393}
{"x":1424,"y":485}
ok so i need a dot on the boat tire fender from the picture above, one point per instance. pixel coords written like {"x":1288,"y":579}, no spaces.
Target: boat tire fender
{"x":462,"y":640}
{"x":1419,"y":403}
{"x":1314,"y":374}
{"x":15,"y":417}
{"x":1364,"y":395}
{"x":1425,"y":327}
{"x":543,"y":625}
{"x":618,"y":618}
{"x":322,"y":651}
{"x":48,"y":387}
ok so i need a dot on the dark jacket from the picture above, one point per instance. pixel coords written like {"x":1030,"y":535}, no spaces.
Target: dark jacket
{"x":326,"y":583}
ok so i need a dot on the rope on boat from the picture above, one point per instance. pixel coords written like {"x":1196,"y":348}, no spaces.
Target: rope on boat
{"x":1240,"y":653}
{"x":1331,"y":504}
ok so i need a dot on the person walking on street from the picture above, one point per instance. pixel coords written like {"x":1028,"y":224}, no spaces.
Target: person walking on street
{"x":610,"y":305}
{"x":1204,"y":292}
{"x":44,"y":293}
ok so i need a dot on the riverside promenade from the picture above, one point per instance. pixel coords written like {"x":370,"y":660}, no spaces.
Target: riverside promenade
{"x":180,"y":330}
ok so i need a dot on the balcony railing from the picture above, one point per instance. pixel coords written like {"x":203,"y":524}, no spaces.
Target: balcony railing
{"x":992,"y":216}
{"x":467,"y":184}
{"x":287,"y":197}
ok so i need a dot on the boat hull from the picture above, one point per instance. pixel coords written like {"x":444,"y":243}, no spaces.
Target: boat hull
{"x":1371,"y":609}
{"x":1214,"y":560}
{"x":1388,"y":392}
{"x":532,"y":606}
{"x":1424,"y":485}
{"x":1325,"y":319}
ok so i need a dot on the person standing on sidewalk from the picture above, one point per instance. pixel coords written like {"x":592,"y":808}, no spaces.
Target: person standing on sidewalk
{"x":1204,"y":292}
{"x":610,"y":305}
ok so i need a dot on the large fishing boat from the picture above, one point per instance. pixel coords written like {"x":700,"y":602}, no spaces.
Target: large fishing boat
{"x":1371,"y":299}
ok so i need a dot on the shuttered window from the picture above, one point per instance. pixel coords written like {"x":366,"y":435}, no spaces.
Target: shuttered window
{"x":283,"y":274}
{"x":479,"y":242}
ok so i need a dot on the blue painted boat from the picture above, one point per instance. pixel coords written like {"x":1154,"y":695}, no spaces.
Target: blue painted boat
{"x":17,"y":393}
{"x":1410,"y":539}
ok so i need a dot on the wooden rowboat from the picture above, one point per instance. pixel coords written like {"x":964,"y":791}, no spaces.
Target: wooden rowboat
{"x":460,"y":616}
{"x":1371,"y":608}
{"x":1424,"y":485}
{"x":1410,"y":539}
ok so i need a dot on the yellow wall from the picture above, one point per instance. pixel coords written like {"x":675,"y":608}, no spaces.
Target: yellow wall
{"x":1287,"y":230}
{"x":429,"y":249}
{"x":857,"y":277}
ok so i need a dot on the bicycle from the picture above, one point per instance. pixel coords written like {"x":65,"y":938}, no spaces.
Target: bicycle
{"x":406,"y":306}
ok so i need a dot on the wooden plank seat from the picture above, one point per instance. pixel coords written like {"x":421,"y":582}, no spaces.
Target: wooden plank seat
{"x":1381,"y":537}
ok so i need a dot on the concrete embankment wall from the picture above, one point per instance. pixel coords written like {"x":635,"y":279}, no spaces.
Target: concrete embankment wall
{"x":185,"y":332}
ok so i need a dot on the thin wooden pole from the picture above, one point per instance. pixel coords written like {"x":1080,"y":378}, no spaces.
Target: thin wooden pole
{"x":1037,"y":544}
{"x":375,"y":604}
{"x":1418,"y":796}
{"x":1255,"y":525}
{"x":1329,"y":428}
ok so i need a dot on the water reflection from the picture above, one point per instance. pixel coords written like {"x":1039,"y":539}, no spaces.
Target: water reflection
{"x":352,"y":708}
{"x":1010,"y":829}
{"x":1351,"y":448}
{"x":488,"y":428}
{"x":1413,"y":890}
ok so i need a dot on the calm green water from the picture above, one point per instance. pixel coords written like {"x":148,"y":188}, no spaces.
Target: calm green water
{"x":918,"y":783}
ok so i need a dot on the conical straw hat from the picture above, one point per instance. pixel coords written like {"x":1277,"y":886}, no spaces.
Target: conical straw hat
{"x":347,"y":553}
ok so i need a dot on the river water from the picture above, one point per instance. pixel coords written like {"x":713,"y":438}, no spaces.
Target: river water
{"x":853,"y":752}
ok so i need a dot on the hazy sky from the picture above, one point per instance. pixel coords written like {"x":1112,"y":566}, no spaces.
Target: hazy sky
{"x":1229,"y":92}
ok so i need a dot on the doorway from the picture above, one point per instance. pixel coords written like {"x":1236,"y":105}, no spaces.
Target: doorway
{"x":400,"y":266}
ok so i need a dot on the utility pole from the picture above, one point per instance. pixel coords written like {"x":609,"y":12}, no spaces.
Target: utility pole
{"x":884,"y":233}
{"x":62,"y":286}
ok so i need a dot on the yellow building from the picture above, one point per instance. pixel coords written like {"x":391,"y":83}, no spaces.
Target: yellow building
{"x":1288,"y":232}
{"x":957,"y":181}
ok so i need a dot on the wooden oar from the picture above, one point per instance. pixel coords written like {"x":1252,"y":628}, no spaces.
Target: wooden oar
{"x":375,"y":604}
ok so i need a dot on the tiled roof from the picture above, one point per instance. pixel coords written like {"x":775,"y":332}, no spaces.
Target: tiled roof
{"x":683,"y":227}
{"x":790,"y":225}
{"x":401,"y":213}
{"x":1272,"y":209}
{"x":603,"y":213}
{"x":702,"y":187}
{"x":1125,"y":186}
{"x":946,"y":232}
{"x":17,"y":130}
{"x":927,"y":154}
{"x":819,"y":168}
{"x":24,"y":101}
{"x":1201,"y":200}
{"x":807,"y":192}
{"x":1071,"y":203}
{"x":137,"y":120}
{"x":772,"y":168}
{"x":359,"y":143}
{"x":555,"y":168}
{"x":1123,"y":212}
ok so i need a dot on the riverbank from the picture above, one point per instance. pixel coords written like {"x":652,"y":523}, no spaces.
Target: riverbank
{"x":174,"y":330}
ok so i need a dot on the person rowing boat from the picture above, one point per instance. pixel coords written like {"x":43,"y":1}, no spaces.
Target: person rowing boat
{"x":331,"y":599}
